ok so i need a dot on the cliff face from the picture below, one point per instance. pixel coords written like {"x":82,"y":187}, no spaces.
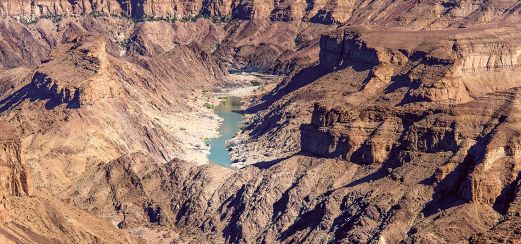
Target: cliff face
{"x":454,"y":81}
{"x":31,"y":216}
{"x":357,"y":64}
{"x":85,"y":57}
{"x":422,"y":110}
{"x":456,"y":71}
{"x":440,"y":68}
{"x":16,"y":178}
{"x":134,"y":8}
{"x":413,"y":14}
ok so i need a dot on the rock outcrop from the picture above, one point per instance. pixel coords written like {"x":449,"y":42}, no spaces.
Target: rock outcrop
{"x":15,"y":174}
{"x":411,"y":14}
{"x":75,"y":73}
{"x":29,"y":216}
{"x":405,"y":106}
{"x":19,"y":46}
{"x":132,"y":182}
{"x":131,"y":8}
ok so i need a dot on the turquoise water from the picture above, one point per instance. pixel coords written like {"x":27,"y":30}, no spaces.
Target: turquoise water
{"x":218,"y":152}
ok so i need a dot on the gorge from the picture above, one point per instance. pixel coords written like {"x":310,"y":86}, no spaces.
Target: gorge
{"x":360,"y":121}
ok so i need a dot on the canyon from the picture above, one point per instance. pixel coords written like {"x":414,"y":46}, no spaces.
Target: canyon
{"x":364,"y":121}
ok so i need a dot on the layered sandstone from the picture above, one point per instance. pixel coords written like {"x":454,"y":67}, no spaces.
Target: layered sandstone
{"x":392,"y":103}
{"x":88,"y":74}
{"x":16,"y":177}
{"x":31,"y":216}
{"x":75,"y":73}
{"x":412,"y":14}
{"x":132,"y":8}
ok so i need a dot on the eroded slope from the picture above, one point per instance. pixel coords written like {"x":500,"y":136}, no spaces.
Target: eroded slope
{"x":377,"y":135}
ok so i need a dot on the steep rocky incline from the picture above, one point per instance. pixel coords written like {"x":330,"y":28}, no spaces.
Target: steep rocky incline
{"x":19,"y":46}
{"x":410,"y":13}
{"x":86,"y":104}
{"x":388,"y":103}
{"x":33,"y":216}
{"x":85,"y":57}
{"x":372,"y":64}
{"x":16,"y":178}
{"x":134,"y":189}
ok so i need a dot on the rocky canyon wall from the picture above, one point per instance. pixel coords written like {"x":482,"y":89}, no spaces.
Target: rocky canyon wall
{"x":413,"y":14}
{"x":14,"y":173}
{"x":421,"y":101}
{"x":29,"y":216}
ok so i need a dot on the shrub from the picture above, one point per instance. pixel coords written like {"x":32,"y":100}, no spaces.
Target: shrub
{"x":255,"y":83}
{"x":95,"y":14}
{"x":208,"y":106}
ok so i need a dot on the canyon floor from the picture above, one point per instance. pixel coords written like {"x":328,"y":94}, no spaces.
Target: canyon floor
{"x":364,"y":121}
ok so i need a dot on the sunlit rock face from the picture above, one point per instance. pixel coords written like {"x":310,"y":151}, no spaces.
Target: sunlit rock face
{"x":14,"y":174}
{"x":416,"y":15}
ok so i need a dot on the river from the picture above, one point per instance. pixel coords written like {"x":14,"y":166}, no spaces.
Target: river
{"x":227,"y":110}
